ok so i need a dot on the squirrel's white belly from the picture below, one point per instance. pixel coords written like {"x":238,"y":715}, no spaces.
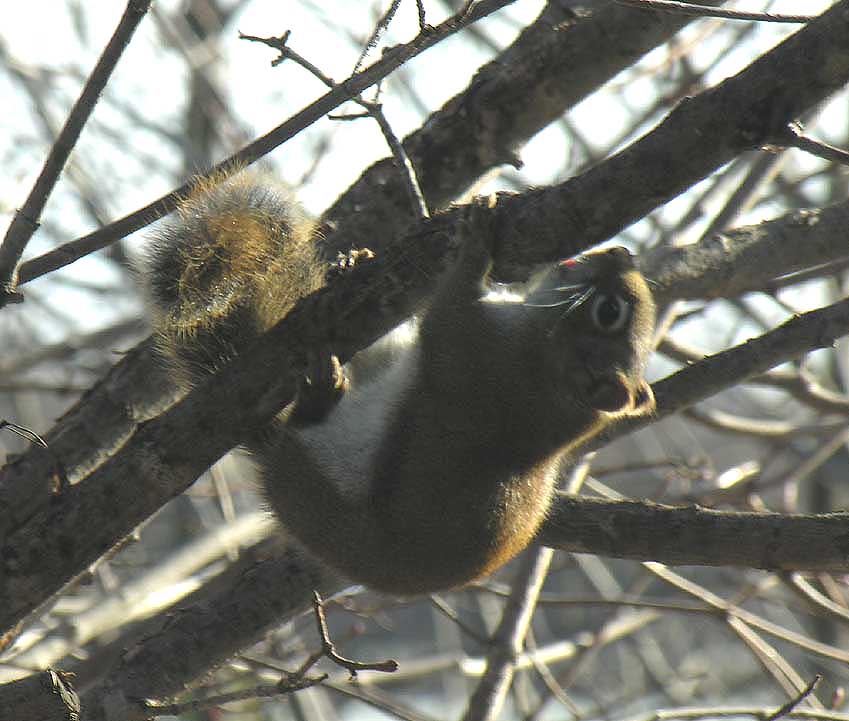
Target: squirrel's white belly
{"x":343,"y":445}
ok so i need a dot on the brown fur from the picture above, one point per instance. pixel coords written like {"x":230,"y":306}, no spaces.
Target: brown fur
{"x":458,"y":476}
{"x":232,"y":263}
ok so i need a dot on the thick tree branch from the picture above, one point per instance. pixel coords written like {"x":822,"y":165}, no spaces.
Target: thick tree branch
{"x":728,"y":264}
{"x":27,"y":219}
{"x":698,"y":536}
{"x":178,"y":647}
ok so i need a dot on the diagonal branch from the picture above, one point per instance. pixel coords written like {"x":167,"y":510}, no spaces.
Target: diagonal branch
{"x":353,"y":86}
{"x":748,"y":258}
{"x":26,"y":219}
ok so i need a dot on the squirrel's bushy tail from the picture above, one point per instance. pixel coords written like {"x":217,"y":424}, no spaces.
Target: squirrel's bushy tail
{"x":231,"y":263}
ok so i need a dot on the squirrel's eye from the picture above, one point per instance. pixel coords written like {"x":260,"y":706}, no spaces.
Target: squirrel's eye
{"x":609,"y":312}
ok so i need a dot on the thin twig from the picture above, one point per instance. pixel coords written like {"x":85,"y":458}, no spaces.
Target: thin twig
{"x":26,"y":220}
{"x":768,"y":656}
{"x":786,"y":708}
{"x":391,"y":60}
{"x":58,"y":481}
{"x":442,"y":606}
{"x":379,"y":28}
{"x":681,"y":8}
{"x":793,"y":138}
{"x":373,"y":110}
{"x":371,"y":696}
{"x":406,"y":168}
{"x":832,"y":267}
{"x":822,"y":603}
{"x":289,"y":683}
{"x":547,"y":677}
{"x":731,"y":712}
{"x":25,"y":433}
{"x":760,"y":427}
{"x":329,"y":650}
{"x":730,"y":610}
{"x":422,"y":18}
{"x":486,"y":702}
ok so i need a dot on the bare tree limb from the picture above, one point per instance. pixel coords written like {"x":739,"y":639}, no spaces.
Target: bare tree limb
{"x":391,"y":60}
{"x":26,"y":220}
{"x":704,"y":11}
{"x":486,"y":703}
{"x":691,"y":535}
{"x":737,"y":261}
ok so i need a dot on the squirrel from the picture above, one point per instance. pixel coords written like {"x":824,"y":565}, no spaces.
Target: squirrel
{"x":441,"y":467}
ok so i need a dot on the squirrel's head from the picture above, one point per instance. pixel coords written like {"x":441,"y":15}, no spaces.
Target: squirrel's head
{"x":598,"y":310}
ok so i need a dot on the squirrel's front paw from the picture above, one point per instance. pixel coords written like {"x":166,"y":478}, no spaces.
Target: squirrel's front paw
{"x":475,"y":241}
{"x":320,"y":389}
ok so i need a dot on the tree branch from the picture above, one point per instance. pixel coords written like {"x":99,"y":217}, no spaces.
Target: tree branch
{"x":26,"y":220}
{"x":745,"y":259}
{"x":692,"y":535}
{"x":391,"y":60}
{"x":701,"y":10}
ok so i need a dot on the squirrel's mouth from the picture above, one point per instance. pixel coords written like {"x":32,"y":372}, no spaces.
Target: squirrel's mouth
{"x":610,"y":393}
{"x":613,"y":393}
{"x":643,"y":398}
